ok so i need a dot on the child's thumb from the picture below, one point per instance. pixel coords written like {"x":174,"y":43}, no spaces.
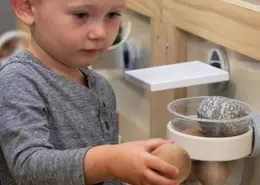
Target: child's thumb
{"x":152,"y":144}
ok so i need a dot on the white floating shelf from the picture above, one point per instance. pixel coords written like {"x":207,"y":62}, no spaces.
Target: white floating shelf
{"x":176,"y":76}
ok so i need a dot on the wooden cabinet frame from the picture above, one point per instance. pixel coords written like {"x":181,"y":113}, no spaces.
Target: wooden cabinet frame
{"x":234,"y":24}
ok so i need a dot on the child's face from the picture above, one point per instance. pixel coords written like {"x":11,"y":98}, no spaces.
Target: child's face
{"x":74,"y":32}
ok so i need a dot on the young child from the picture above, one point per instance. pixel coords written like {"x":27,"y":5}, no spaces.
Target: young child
{"x":58,"y":119}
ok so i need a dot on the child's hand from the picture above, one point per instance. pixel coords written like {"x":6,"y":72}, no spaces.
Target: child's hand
{"x":133,"y":163}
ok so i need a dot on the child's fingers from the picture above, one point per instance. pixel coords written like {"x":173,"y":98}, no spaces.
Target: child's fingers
{"x":161,"y":166}
{"x":152,"y":144}
{"x":154,"y":179}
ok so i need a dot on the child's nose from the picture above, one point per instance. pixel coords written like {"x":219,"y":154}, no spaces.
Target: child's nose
{"x":98,"y":32}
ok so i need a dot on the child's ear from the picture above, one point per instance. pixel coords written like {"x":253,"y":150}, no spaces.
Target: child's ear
{"x":24,"y":11}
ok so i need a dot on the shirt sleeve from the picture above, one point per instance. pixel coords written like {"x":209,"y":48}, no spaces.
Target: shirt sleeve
{"x":24,"y":136}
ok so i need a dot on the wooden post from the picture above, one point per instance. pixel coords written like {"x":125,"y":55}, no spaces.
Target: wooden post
{"x":168,"y":46}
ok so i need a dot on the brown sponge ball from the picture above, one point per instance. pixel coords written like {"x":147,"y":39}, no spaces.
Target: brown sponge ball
{"x":177,"y":156}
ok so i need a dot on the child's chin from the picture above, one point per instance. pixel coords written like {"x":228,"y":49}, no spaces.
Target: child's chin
{"x":85,"y":63}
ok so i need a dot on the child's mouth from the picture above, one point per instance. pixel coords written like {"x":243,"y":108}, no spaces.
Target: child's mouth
{"x":92,"y":51}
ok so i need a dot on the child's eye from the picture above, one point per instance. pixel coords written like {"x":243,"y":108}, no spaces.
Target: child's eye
{"x":81,"y":15}
{"x":112,"y":15}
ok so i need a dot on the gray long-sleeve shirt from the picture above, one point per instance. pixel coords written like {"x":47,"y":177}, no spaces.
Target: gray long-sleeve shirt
{"x":48,"y":122}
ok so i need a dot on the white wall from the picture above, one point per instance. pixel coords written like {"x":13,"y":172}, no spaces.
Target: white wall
{"x":7,"y":17}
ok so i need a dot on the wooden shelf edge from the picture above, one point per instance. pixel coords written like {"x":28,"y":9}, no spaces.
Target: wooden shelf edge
{"x":224,"y":23}
{"x":253,"y":5}
{"x":233,"y":24}
{"x":148,"y":8}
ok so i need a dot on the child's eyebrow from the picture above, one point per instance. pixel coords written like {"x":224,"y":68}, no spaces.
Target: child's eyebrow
{"x":119,"y":6}
{"x":75,"y":6}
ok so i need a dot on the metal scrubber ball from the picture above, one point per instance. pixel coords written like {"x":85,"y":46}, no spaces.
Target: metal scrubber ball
{"x":222,"y":108}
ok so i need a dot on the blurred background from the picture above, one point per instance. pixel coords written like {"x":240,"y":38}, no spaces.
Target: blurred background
{"x":7,"y":17}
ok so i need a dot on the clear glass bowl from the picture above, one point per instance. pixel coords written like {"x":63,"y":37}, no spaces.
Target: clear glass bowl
{"x":184,"y":119}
